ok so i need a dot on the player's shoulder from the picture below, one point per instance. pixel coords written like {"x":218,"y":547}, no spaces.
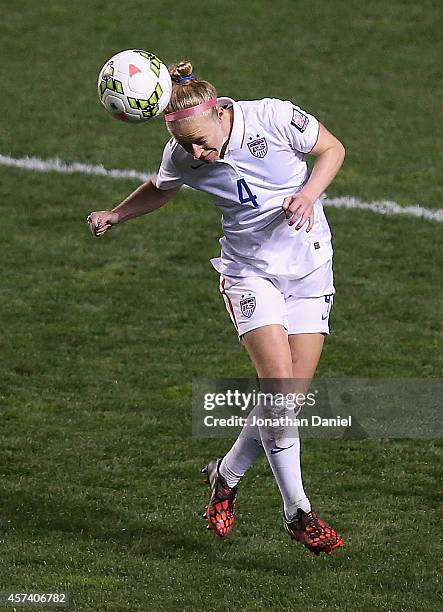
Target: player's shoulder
{"x":262,"y":104}
{"x":266,"y":111}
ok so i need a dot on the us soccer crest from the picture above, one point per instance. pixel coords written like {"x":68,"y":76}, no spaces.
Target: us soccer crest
{"x":299,"y":120}
{"x":247,"y":306}
{"x":258,"y":147}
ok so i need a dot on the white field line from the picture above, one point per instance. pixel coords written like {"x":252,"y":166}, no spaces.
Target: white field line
{"x":57,"y":165}
{"x":385,"y":207}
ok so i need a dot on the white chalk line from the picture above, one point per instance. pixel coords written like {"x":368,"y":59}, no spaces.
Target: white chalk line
{"x":384,"y":207}
{"x":57,"y":165}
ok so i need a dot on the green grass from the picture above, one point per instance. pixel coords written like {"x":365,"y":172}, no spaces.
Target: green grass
{"x":98,"y":353}
{"x":370,"y":72}
{"x":99,"y":473}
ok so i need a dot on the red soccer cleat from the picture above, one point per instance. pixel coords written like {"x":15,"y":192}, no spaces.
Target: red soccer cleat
{"x":309,"y":529}
{"x":221,"y":510}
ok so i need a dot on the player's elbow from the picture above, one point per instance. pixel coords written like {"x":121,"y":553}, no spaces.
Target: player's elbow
{"x":341,"y":151}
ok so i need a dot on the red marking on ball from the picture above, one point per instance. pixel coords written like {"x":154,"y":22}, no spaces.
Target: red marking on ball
{"x":133,"y":70}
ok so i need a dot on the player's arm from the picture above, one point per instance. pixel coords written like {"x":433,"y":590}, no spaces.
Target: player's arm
{"x":145,"y":199}
{"x":329,"y":153}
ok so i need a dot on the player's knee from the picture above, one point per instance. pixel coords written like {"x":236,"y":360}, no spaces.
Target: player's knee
{"x":283,"y":373}
{"x":276,"y":376}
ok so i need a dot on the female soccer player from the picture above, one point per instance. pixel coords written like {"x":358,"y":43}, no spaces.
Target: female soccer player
{"x":275,"y":265}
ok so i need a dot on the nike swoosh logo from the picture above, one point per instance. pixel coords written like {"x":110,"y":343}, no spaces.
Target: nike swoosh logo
{"x":324,"y":317}
{"x":277,"y":449}
{"x":199,"y":166}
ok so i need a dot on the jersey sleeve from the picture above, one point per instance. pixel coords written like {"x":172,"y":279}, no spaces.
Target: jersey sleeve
{"x":296,"y":125}
{"x":168,"y":176}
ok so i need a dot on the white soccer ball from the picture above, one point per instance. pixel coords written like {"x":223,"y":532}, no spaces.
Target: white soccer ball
{"x":134,"y":85}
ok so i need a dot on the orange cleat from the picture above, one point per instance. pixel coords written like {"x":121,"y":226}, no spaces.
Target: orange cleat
{"x":221,"y":510}
{"x":312,"y":531}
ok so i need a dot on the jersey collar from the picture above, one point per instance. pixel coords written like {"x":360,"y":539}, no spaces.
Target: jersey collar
{"x":238,"y":127}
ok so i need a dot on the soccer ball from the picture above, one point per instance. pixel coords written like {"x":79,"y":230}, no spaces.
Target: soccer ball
{"x":134,"y":85}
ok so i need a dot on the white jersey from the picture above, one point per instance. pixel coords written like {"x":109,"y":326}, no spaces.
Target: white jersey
{"x":264,"y":162}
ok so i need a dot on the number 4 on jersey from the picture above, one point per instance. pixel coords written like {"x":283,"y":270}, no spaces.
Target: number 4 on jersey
{"x":245,"y":194}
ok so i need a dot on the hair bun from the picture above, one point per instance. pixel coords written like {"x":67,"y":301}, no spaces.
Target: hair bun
{"x":180,"y":70}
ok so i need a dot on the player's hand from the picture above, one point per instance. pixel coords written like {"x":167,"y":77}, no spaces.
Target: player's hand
{"x":298,"y":210}
{"x":101,"y":221}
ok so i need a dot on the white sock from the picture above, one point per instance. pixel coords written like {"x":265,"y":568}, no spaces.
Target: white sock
{"x":282,"y":448}
{"x":245,"y":450}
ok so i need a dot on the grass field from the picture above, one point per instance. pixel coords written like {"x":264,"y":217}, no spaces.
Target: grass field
{"x":100,"y":486}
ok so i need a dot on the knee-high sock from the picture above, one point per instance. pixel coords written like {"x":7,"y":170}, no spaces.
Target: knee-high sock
{"x":282,"y":448}
{"x":245,"y":450}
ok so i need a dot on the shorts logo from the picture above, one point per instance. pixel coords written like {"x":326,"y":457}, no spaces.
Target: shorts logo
{"x":247,"y":306}
{"x":299,"y":120}
{"x":328,"y":301}
{"x":258,"y":147}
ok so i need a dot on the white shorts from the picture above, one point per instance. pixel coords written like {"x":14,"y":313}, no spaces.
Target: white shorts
{"x":255,"y":301}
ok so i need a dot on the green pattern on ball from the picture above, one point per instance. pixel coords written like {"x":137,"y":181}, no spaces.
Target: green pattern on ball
{"x":112,"y":84}
{"x":155,"y":63}
{"x":148,"y":107}
{"x":155,"y":66}
{"x":155,"y":96}
{"x":151,"y":112}
{"x":144,"y":104}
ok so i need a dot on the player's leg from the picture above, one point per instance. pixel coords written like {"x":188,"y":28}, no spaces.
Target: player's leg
{"x":303,"y":523}
{"x":283,"y":447}
{"x":270,"y":351}
{"x":253,"y":304}
{"x":306,"y":350}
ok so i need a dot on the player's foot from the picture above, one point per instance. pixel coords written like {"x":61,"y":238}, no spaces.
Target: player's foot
{"x":220,"y":512}
{"x":309,"y":529}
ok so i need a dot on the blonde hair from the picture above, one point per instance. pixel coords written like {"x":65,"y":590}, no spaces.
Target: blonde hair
{"x":188,"y":92}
